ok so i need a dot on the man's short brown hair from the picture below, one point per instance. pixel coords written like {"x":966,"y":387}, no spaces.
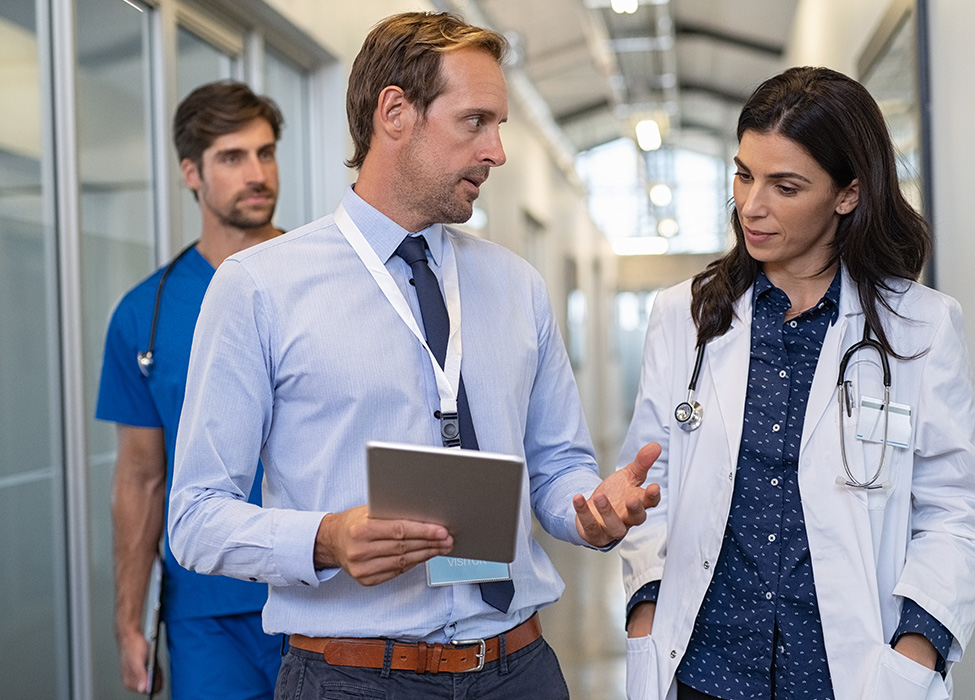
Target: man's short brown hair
{"x":216,"y":109}
{"x":406,"y":50}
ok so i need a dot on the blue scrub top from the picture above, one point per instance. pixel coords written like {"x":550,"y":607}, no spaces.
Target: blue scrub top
{"x":126,"y":396}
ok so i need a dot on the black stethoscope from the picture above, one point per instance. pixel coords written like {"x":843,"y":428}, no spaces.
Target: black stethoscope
{"x":845,"y":402}
{"x":690,"y":413}
{"x":145,"y":358}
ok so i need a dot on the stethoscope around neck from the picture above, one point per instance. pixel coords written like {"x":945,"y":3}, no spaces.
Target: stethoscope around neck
{"x":690,"y":413}
{"x":845,"y":402}
{"x":145,"y":358}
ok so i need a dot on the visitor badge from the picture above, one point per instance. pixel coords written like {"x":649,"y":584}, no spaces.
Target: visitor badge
{"x":445,"y":571}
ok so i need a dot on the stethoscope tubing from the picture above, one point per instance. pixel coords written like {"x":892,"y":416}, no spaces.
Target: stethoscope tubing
{"x":689,"y":414}
{"x":145,"y":358}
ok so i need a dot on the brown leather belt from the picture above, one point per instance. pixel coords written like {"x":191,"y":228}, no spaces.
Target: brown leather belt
{"x":458,"y":656}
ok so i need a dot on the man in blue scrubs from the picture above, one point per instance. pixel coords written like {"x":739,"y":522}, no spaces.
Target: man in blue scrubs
{"x":225,"y":138}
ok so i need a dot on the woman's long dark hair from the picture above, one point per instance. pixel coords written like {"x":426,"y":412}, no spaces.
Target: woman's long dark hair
{"x":839,"y":124}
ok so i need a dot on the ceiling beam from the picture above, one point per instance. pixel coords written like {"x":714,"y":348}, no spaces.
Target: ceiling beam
{"x":686,"y":30}
{"x":584,"y":112}
{"x":732,"y":98}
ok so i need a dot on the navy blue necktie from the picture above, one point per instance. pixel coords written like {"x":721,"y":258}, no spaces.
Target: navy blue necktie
{"x":436,"y":325}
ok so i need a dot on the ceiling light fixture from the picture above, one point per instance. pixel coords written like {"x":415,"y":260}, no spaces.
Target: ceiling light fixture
{"x":648,"y":135}
{"x":624,"y":7}
{"x":668,"y":228}
{"x":661,"y":195}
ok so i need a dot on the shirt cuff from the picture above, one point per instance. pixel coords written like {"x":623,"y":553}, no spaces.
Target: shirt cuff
{"x":917,"y":620}
{"x":647,"y":594}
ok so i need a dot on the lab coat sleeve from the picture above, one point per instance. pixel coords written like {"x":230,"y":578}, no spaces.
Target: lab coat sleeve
{"x":644,"y":549}
{"x":940,"y":558}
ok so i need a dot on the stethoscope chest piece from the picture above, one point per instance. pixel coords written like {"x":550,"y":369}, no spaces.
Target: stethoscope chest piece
{"x":145,"y":363}
{"x":689,"y":415}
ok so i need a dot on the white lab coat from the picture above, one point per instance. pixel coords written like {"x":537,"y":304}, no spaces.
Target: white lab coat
{"x":869,"y":549}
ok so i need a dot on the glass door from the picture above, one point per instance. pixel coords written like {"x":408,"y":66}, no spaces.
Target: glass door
{"x":33,"y":609}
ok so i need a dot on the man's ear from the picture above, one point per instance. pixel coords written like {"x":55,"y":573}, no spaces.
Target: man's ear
{"x":191,"y":174}
{"x":850,"y":198}
{"x":394,"y":113}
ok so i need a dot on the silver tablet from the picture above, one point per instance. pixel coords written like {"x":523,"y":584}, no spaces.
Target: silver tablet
{"x":476,"y":495}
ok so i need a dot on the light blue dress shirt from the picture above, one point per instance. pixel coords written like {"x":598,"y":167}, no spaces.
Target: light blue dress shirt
{"x":298,"y":357}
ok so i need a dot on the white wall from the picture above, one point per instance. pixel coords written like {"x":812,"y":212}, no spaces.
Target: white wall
{"x":953,"y":146}
{"x":833,"y":33}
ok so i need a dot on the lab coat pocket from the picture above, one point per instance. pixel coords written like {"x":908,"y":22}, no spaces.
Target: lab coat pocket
{"x":641,"y":668}
{"x":899,"y":678}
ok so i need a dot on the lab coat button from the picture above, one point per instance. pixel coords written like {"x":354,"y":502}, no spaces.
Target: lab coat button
{"x":673,"y":653}
{"x":707,"y":565}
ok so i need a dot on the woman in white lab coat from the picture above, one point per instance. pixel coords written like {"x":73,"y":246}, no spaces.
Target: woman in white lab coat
{"x":873,"y":596}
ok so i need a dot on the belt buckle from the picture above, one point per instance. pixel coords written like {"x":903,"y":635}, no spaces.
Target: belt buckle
{"x":481,"y":651}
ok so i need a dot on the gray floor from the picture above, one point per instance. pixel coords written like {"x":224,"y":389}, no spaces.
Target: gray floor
{"x":586,"y":626}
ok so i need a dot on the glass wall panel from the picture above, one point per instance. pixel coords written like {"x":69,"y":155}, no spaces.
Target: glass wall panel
{"x":287,"y":85}
{"x":118,"y":250}
{"x":33,"y":611}
{"x":198,"y":62}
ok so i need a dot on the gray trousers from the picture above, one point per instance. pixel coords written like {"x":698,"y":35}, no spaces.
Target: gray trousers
{"x":532,"y":672}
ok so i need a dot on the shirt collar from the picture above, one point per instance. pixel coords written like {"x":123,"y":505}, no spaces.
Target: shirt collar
{"x":764,"y":286}
{"x":384,"y":234}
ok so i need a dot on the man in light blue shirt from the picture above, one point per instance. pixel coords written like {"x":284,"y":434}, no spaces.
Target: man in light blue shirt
{"x":309,"y":346}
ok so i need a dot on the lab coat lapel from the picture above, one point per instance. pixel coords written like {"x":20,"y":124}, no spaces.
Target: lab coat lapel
{"x":839,"y":336}
{"x":726,"y":360}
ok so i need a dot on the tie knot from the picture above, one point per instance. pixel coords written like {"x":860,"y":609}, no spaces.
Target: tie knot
{"x":413,"y":250}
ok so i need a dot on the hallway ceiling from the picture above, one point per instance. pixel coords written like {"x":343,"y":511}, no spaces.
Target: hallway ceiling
{"x":690,"y":64}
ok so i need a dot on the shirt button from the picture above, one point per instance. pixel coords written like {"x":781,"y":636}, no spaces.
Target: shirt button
{"x":783,"y":374}
{"x":776,"y":428}
{"x":793,"y":324}
{"x":774,"y":482}
{"x":768,"y":596}
{"x":771,"y":538}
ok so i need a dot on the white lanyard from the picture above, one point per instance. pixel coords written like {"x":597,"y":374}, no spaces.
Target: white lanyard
{"x":448,"y":378}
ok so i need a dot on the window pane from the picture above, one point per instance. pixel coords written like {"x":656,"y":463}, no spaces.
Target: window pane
{"x":198,"y":62}
{"x":118,"y":249}
{"x":287,"y":85}
{"x":33,"y":631}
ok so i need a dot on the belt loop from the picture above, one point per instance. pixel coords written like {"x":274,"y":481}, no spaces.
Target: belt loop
{"x":387,"y":659}
{"x":437,"y":658}
{"x":502,"y":655}
{"x":421,"y":657}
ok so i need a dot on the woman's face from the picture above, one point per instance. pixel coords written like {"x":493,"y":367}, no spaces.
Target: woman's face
{"x":788,"y":206}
